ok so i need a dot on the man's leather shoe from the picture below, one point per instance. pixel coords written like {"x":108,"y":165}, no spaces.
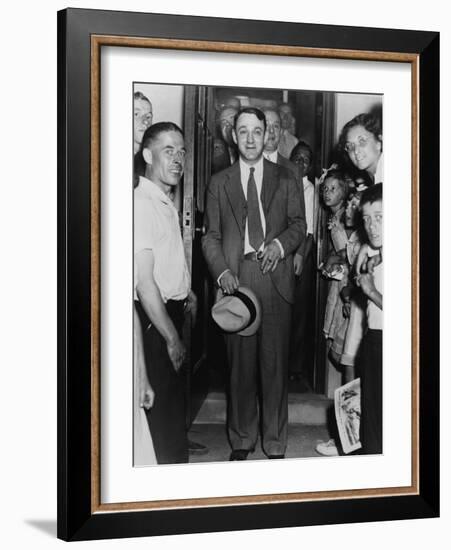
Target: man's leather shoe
{"x":239,"y":454}
{"x":275,"y":456}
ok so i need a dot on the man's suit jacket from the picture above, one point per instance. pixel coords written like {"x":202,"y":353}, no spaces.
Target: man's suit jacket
{"x":226,"y":213}
{"x":288,"y":165}
{"x":294,"y":169}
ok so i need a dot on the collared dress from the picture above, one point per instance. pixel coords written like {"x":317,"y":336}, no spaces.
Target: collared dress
{"x":333,"y":316}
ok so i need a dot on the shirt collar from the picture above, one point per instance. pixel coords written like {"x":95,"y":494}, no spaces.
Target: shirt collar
{"x":271,"y":156}
{"x":379,"y":175}
{"x":151,"y":190}
{"x":245,"y":169}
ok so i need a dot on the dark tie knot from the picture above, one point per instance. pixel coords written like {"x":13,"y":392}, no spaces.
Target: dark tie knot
{"x":251,"y":171}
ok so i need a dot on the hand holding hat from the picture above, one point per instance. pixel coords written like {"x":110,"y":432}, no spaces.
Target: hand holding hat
{"x":239,"y":312}
{"x":229,"y":282}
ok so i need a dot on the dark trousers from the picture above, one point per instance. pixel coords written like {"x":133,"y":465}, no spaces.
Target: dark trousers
{"x":260,"y":361}
{"x":167,"y":416}
{"x":371,"y":396}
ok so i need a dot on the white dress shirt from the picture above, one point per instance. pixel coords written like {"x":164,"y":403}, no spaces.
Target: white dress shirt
{"x":258,"y":177}
{"x":271,"y":156}
{"x":309,"y":199}
{"x":373,"y":312}
{"x":156,"y":228}
{"x":379,"y":175}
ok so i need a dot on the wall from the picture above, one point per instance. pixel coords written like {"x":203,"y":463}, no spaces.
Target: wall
{"x":28,"y":278}
{"x":349,"y":105}
{"x":167,"y":101}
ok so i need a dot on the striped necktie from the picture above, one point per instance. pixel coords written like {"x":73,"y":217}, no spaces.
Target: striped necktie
{"x":255,"y":227}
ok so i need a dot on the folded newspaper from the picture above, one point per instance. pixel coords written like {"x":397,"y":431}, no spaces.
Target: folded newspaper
{"x":347,"y":413}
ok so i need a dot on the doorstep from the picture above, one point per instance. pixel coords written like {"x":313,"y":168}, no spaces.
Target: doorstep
{"x":303,"y":408}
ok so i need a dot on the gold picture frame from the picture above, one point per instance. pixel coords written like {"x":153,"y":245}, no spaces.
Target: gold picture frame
{"x":82,"y":515}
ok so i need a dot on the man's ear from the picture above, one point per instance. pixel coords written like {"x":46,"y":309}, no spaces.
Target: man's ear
{"x":147,"y":155}
{"x":234,"y":136}
{"x":265,"y":138}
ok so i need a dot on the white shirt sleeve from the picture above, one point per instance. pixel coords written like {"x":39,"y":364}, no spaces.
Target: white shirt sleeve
{"x":145,"y":229}
{"x":219,"y":278}
{"x":282,"y":251}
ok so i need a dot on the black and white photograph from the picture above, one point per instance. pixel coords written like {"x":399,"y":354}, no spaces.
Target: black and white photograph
{"x":257,"y":272}
{"x":197,"y":350}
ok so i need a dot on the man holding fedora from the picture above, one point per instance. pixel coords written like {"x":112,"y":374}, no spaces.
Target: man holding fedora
{"x":254,"y":223}
{"x":239,"y":312}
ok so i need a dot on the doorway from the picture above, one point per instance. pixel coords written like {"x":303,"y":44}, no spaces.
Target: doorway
{"x":314,"y":123}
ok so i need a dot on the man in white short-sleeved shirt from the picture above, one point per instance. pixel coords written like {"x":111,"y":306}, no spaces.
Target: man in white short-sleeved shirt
{"x":162,"y":287}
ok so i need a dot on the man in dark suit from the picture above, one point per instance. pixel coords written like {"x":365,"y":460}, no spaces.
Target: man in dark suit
{"x":255,"y":221}
{"x":224,"y":148}
{"x":270,"y":151}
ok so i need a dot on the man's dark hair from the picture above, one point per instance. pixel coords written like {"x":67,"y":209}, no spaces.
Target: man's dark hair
{"x":250,"y":111}
{"x":372,"y":194}
{"x":152,"y":133}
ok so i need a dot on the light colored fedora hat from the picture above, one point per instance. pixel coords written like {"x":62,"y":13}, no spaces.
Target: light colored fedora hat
{"x":238,"y":313}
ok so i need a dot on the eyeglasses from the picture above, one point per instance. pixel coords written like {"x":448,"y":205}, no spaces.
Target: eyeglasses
{"x":351,"y":146}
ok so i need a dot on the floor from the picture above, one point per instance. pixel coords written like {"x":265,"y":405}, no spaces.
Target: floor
{"x":302,"y":440}
{"x":209,"y":427}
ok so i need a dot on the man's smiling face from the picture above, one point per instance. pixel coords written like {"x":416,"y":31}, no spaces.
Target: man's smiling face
{"x":249,"y":135}
{"x":168,"y":158}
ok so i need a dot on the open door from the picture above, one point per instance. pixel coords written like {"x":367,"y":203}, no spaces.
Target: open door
{"x":206,"y":353}
{"x":198,"y":128}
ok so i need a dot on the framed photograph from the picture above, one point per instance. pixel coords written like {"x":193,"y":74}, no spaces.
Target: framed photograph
{"x":228,"y":263}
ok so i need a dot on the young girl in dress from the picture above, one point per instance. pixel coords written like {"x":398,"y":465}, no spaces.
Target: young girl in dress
{"x":334,"y":191}
{"x":347,"y":340}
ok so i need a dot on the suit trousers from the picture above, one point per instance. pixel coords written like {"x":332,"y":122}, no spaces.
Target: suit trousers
{"x":167,"y":416}
{"x":260,"y":362}
{"x":371,"y":380}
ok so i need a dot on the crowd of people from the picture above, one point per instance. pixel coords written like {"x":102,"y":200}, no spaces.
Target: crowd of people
{"x":259,"y":245}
